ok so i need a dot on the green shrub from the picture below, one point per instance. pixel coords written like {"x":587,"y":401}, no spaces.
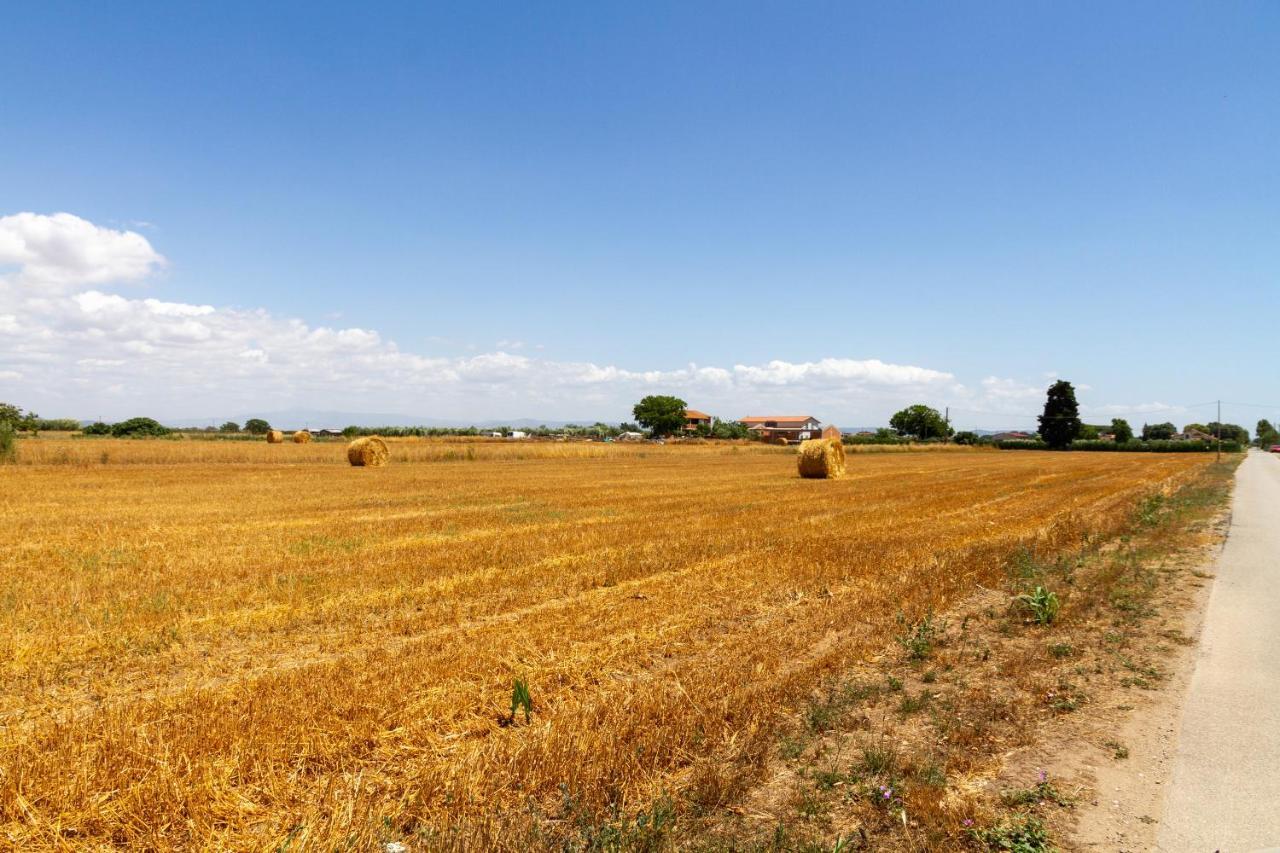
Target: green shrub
{"x":1153,"y":446}
{"x":139,"y":427}
{"x":918,"y":638}
{"x":8,"y":444}
{"x":56,"y":424}
{"x":1022,"y":833}
{"x":874,"y":439}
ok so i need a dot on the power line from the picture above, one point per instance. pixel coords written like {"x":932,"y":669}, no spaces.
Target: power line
{"x":1273,"y":407}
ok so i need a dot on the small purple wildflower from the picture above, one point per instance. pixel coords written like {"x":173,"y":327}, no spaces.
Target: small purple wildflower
{"x":968,"y":821}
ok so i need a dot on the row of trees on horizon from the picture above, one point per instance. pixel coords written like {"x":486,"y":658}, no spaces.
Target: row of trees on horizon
{"x":664,"y":416}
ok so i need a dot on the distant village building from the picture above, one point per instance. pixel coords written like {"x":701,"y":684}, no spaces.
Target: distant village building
{"x":791,"y":427}
{"x":694,"y":419}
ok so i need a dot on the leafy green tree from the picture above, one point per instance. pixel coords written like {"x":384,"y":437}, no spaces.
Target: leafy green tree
{"x":1088,"y":432}
{"x":139,"y":427}
{"x":1230,"y":432}
{"x":1060,"y":423}
{"x":920,"y":421}
{"x":97,"y":428}
{"x":31,"y":423}
{"x":229,"y":426}
{"x":10,"y":414}
{"x":730,"y":429}
{"x":1158,"y":432}
{"x":966,"y":437}
{"x":257,"y":426}
{"x":660,"y":414}
{"x":1122,"y":431}
{"x":1267,"y":434}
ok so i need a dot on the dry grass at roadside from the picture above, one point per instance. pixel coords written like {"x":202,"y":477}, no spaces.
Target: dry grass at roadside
{"x":910,"y":751}
{"x":202,"y":655}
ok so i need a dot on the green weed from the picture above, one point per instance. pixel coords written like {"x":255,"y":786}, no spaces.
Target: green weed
{"x":1042,"y":604}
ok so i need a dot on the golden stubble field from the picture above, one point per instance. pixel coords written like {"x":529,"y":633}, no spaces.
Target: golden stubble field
{"x":242,"y":655}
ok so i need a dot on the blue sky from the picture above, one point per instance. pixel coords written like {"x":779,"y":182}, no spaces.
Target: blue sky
{"x":549,"y":211}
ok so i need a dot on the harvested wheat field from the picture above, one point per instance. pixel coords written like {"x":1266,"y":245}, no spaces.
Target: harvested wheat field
{"x":246,"y":654}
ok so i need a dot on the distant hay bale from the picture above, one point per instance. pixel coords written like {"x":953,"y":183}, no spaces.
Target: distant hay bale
{"x":275,"y":436}
{"x":301,"y":437}
{"x":781,"y":440}
{"x":821,"y":459}
{"x":368,"y":452}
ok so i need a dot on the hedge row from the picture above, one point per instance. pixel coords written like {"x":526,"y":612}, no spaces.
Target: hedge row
{"x":1128,"y":447}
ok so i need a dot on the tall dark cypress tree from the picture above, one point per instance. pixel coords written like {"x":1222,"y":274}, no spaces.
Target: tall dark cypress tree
{"x":1060,"y":423}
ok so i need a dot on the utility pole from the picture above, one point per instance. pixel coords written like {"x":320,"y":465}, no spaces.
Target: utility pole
{"x":1219,"y":459}
{"x":947,"y":420}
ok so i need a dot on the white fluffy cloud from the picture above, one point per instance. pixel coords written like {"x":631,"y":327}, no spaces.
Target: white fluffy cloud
{"x":69,"y":343}
{"x":1121,"y":411}
{"x":997,"y":390}
{"x":64,"y":251}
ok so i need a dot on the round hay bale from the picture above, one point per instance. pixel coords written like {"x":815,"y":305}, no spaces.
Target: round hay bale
{"x":781,"y":440}
{"x":821,"y":459}
{"x":368,"y":452}
{"x":301,"y":437}
{"x":275,"y":436}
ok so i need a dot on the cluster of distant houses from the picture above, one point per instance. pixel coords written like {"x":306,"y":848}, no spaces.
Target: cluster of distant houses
{"x":794,"y":428}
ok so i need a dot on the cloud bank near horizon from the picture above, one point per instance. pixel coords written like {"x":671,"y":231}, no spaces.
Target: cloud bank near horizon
{"x":72,"y":345}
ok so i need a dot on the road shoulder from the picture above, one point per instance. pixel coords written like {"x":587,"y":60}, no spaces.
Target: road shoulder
{"x":1118,"y":760}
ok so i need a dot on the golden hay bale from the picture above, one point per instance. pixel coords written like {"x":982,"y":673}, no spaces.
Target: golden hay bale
{"x":275,"y":436}
{"x":821,"y":458}
{"x":301,"y":437}
{"x":781,"y":440}
{"x":368,"y":452}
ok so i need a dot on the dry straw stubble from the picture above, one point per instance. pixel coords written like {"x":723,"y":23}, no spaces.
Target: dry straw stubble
{"x":251,"y":690}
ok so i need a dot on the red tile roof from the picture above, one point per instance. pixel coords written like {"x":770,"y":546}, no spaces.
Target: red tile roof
{"x":694,"y":413}
{"x":782,"y":419}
